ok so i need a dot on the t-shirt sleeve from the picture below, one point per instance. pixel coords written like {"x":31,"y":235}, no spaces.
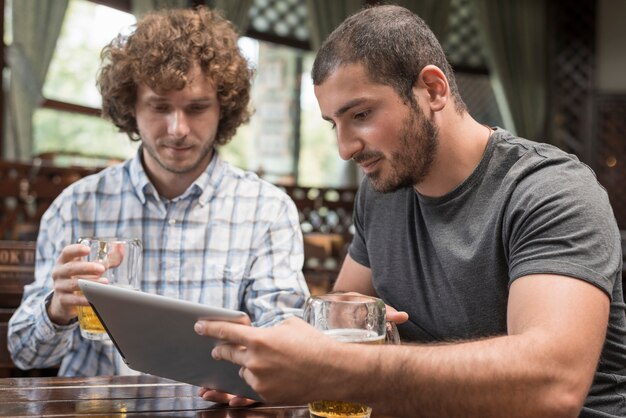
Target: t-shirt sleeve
{"x":561,"y":222}
{"x":358,"y":247}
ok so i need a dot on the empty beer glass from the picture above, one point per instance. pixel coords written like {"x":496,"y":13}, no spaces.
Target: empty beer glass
{"x":122,"y":259}
{"x":348,"y":318}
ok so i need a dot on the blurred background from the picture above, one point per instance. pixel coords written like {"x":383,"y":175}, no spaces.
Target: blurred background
{"x":552,"y":71}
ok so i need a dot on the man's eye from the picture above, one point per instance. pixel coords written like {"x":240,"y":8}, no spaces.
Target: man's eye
{"x":197,"y":109}
{"x":361,"y":115}
{"x":159,"y":108}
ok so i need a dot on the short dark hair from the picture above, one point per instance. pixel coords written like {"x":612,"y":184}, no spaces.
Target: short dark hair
{"x":160,"y":52}
{"x":393,"y":44}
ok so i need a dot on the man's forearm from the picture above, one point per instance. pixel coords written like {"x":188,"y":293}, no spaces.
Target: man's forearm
{"x":504,"y":376}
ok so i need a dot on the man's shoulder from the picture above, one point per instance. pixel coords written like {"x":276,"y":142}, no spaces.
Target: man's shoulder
{"x":538,"y":175}
{"x":247,"y":183}
{"x":527,"y":161}
{"x":106,"y":181}
{"x":532,"y":152}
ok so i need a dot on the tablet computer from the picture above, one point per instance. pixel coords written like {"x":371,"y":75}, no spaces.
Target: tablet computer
{"x":154,"y":334}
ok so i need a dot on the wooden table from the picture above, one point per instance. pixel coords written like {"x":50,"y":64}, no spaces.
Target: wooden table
{"x":120,"y":396}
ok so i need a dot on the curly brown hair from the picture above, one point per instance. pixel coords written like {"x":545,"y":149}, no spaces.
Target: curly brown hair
{"x":159,"y":53}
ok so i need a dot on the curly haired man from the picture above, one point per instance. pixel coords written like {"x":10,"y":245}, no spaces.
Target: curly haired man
{"x":211,"y":233}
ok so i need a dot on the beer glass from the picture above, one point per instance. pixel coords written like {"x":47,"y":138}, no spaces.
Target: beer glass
{"x":122,"y":259}
{"x":348,"y":318}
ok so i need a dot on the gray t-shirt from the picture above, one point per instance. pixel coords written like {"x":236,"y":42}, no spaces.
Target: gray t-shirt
{"x":448,"y":262}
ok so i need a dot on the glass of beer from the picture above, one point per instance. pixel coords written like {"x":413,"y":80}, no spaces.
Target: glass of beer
{"x":122,"y":259}
{"x":348,"y":318}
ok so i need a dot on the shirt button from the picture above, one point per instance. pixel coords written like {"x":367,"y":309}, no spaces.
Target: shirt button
{"x":172,"y":221}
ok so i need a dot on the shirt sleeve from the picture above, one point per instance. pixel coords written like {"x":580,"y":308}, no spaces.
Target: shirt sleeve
{"x":276,"y":288}
{"x":358,"y":247}
{"x":561,"y":222}
{"x":33,"y":340}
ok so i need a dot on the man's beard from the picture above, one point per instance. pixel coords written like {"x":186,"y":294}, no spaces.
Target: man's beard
{"x":203,"y":153}
{"x":409,"y":167}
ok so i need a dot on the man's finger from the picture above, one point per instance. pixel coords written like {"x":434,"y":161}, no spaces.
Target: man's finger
{"x":72,"y":252}
{"x":238,"y":401}
{"x":222,"y":397}
{"x":399,"y":317}
{"x":85,"y":269}
{"x":234,"y":353}
{"x":115,"y":256}
{"x":70,"y":285}
{"x":215,"y":395}
{"x":224,"y":331}
{"x":76,"y":299}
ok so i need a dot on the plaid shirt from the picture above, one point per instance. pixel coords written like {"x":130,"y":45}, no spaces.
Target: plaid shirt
{"x":230,"y":240}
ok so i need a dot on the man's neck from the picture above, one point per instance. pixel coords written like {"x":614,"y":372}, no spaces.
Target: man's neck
{"x":169,"y":184}
{"x":460,"y":149}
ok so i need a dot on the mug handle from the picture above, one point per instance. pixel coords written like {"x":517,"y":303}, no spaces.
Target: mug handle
{"x":392,"y":336}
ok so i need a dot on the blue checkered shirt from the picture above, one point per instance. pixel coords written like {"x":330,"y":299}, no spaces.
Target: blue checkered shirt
{"x":230,"y":240}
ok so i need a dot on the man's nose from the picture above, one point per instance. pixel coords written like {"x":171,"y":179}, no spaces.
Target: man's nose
{"x":178,"y":125}
{"x":348,"y":144}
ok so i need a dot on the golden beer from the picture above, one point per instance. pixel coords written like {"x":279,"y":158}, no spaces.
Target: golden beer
{"x":89,"y":323}
{"x":339,"y":409}
{"x":122,"y":261}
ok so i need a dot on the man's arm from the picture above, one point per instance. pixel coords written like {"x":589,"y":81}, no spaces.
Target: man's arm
{"x":544,"y":366}
{"x":34,"y":339}
{"x":277,"y":289}
{"x":40,"y":331}
{"x":354,"y":277}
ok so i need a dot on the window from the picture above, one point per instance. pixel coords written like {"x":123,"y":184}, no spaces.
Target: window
{"x":80,"y":139}
{"x":286,"y":141}
{"x":320,"y":164}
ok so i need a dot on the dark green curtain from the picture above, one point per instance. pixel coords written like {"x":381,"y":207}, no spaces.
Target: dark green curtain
{"x":435,"y":13}
{"x":141,"y":7}
{"x":514,"y":34}
{"x":236,"y":11}
{"x":326,"y":15}
{"x":36,"y":28}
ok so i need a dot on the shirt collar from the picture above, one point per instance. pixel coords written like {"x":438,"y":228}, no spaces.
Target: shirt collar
{"x":208,"y":182}
{"x":204,"y":186}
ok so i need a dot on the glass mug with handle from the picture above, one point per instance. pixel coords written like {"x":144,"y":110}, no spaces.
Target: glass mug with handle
{"x":351,"y":318}
{"x":122,"y":259}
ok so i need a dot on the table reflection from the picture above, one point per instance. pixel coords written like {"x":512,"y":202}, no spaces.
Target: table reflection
{"x":120,"y":396}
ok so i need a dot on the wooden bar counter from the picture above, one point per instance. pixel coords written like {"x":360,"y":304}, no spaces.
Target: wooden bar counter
{"x":120,"y":396}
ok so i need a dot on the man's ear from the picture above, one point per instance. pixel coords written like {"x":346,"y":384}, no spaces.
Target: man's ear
{"x":432,"y":81}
